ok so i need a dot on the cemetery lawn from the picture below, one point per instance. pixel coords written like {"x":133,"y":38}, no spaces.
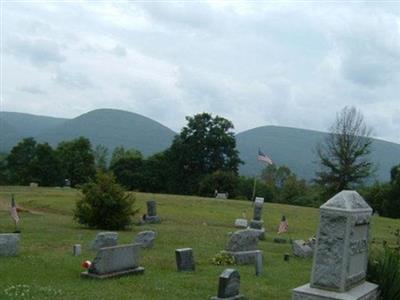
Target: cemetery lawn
{"x":46,"y":269}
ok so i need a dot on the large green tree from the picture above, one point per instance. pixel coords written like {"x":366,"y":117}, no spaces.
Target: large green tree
{"x":45,"y":166}
{"x":19,"y":162}
{"x":344,"y":154}
{"x":206,"y":144}
{"x":77,"y":160}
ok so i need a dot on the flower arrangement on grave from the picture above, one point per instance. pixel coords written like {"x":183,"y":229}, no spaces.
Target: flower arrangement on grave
{"x":223,"y":258}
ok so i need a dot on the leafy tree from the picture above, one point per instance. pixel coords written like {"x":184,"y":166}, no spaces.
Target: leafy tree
{"x":127,"y":170}
{"x":120,"y":152}
{"x":156,"y":174}
{"x":221,"y":181}
{"x":344,"y":154}
{"x":3,"y":169}
{"x":19,"y":162}
{"x":284,"y":183}
{"x":205,"y":145}
{"x":100,"y":157}
{"x":45,"y":166}
{"x":394,"y":173}
{"x":104,"y":204}
{"x":77,"y":160}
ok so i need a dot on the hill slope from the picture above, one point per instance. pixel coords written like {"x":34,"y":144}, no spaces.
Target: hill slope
{"x":294,"y":148}
{"x":112,"y":128}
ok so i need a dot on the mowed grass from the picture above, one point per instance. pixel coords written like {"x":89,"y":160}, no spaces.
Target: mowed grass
{"x":48,"y":270}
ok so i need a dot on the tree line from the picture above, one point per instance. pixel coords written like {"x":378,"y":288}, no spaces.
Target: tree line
{"x":203,"y":159}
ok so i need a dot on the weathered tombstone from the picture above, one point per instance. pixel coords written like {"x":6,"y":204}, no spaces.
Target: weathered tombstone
{"x":259,"y":200}
{"x":185,"y":259}
{"x":77,"y":250}
{"x":221,"y":196}
{"x":229,"y":286}
{"x":9,"y":244}
{"x":257,"y":223}
{"x":259,"y":263}
{"x":241,"y":223}
{"x":146,"y":238}
{"x":151,"y":216}
{"x":341,"y":252}
{"x":33,"y":184}
{"x":242,"y":245}
{"x":105,"y":239}
{"x":115,"y":261}
{"x":301,"y":249}
{"x":67,"y":182}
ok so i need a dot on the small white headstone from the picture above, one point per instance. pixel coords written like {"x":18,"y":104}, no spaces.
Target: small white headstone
{"x":77,"y":250}
{"x":259,"y":200}
{"x":241,"y":223}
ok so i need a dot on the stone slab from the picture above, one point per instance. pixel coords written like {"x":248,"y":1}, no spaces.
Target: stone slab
{"x":365,"y":291}
{"x":146,"y":238}
{"x":105,"y":239}
{"x":135,"y":271}
{"x":76,"y":250}
{"x":259,"y":200}
{"x":241,"y":223}
{"x":151,"y":208}
{"x":260,"y":233}
{"x":255,"y":224}
{"x":185,"y":260}
{"x":9,"y":244}
{"x":152,"y":219}
{"x":243,"y":240}
{"x":245,"y":257}
{"x":116,"y":259}
{"x":301,"y":249}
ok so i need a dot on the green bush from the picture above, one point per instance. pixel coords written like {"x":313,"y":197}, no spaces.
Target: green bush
{"x":384,"y":270}
{"x":104,"y":204}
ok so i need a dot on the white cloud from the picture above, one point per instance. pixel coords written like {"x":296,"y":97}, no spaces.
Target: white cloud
{"x":284,"y":63}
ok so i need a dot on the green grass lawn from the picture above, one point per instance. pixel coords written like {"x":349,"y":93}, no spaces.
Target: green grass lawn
{"x":46,"y":269}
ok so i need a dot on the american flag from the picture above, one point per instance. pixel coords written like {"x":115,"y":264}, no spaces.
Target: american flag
{"x":262,"y":157}
{"x":14,"y":213}
{"x":283,"y":226}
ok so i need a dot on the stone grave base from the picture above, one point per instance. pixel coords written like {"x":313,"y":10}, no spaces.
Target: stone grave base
{"x":240,"y":296}
{"x":152,"y":219}
{"x":136,"y":271}
{"x":254,"y":224}
{"x":365,"y":291}
{"x":260,"y":232}
{"x":244,"y":257}
{"x":9,"y":244}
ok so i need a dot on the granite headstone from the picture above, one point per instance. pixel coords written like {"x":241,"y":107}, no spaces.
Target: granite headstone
{"x":105,"y":239}
{"x":115,"y":261}
{"x":9,"y":244}
{"x":341,"y":251}
{"x":185,"y":259}
{"x":229,"y":286}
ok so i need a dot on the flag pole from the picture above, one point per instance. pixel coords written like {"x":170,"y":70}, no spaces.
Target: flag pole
{"x":254,"y":188}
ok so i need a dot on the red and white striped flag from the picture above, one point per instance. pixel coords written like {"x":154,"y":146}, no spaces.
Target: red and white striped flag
{"x":283,"y":226}
{"x":14,"y":212}
{"x":262,"y":157}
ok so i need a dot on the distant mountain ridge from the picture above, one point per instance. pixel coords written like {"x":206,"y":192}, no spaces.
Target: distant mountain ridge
{"x":295,"y":148}
{"x":292,"y":147}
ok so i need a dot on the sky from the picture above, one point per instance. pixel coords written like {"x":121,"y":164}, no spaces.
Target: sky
{"x":256,"y":63}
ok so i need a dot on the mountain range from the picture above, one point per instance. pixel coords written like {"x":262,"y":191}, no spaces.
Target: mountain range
{"x":292,"y":147}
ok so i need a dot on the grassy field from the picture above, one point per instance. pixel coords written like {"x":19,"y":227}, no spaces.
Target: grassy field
{"x":46,"y":269}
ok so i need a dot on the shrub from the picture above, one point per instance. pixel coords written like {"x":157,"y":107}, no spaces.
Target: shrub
{"x":223,"y":258}
{"x":384,"y":270}
{"x":223,"y":181}
{"x":104,"y":204}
